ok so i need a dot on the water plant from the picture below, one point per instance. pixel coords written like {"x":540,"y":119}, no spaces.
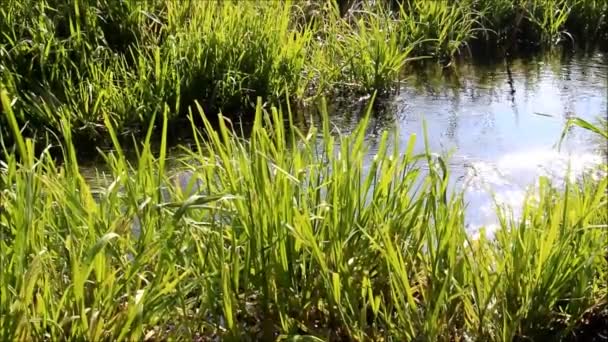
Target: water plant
{"x":81,"y":58}
{"x":283,"y":236}
{"x":222,"y":54}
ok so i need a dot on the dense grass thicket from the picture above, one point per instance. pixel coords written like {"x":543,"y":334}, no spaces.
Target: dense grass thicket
{"x":289,"y":234}
{"x":79,"y":60}
{"x":286,"y":236}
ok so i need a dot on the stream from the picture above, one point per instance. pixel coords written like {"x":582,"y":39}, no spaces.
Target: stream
{"x":500,"y":127}
{"x":501,"y":132}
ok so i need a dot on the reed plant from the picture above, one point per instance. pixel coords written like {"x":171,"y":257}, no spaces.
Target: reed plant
{"x":437,"y":28}
{"x":287,"y":235}
{"x":589,"y":18}
{"x":521,"y":24}
{"x":371,"y":51}
{"x":83,"y":58}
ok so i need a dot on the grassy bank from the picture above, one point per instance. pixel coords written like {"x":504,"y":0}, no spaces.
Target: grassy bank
{"x":285,"y":236}
{"x":81,"y":59}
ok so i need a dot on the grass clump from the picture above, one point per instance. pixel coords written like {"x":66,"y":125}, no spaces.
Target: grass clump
{"x":371,"y":50}
{"x":517,"y":25}
{"x":80,"y":59}
{"x":443,"y":28}
{"x":281,"y":236}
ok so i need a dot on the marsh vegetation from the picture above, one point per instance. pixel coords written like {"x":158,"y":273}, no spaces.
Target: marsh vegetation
{"x":293,"y":232}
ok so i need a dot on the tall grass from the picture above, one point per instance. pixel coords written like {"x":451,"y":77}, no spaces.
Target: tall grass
{"x":371,"y":49}
{"x":283,"y":236}
{"x":129,"y":58}
{"x":544,"y":23}
{"x":443,"y":27}
{"x":79,"y":59}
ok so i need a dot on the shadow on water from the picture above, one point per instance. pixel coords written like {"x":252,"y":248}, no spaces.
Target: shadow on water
{"x":500,"y":125}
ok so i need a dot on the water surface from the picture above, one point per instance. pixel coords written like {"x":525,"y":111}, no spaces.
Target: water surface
{"x":501,"y":131}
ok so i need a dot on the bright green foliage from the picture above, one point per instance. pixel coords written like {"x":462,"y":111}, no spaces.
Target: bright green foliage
{"x":127,"y":59}
{"x":83,"y":59}
{"x":281,"y":235}
{"x":440,"y":28}
{"x":373,"y":50}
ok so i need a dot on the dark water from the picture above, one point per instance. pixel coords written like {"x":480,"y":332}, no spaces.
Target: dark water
{"x":500,"y":129}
